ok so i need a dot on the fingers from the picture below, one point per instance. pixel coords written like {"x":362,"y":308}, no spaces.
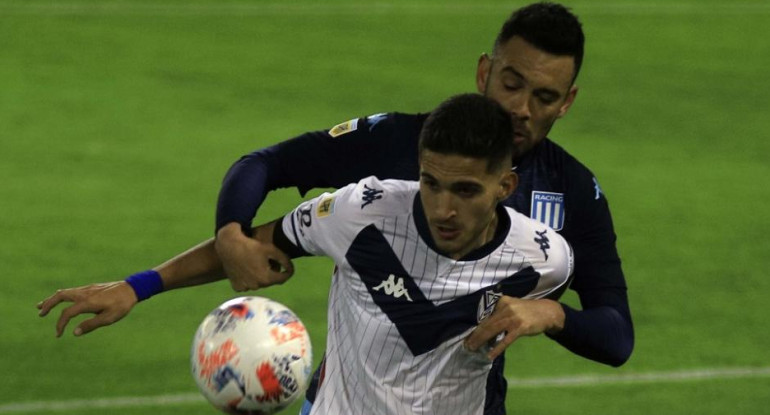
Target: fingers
{"x":46,"y":305}
{"x":264,"y":266}
{"x":280,"y":262}
{"x":500,"y":347}
{"x":68,"y":313}
{"x":99,"y":320}
{"x":488,"y":330}
{"x":238,"y":285}
{"x":104,"y":316}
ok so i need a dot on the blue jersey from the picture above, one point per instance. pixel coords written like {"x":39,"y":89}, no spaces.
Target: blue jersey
{"x":554,"y":188}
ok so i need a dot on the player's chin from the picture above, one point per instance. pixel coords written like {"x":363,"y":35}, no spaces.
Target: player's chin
{"x":448,"y":248}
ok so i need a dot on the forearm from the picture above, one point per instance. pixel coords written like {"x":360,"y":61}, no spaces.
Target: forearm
{"x":602,"y":334}
{"x":198,"y":265}
{"x":243,"y":190}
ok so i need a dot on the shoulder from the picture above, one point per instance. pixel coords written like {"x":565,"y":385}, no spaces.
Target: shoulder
{"x":560,"y":161}
{"x":578,"y":182}
{"x":386,"y":123}
{"x":543,"y":247}
{"x":374,"y":197}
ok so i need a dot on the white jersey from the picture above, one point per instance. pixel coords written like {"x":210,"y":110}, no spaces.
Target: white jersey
{"x":399,"y":311}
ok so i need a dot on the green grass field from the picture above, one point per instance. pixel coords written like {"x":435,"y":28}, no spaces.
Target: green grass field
{"x":118,"y":120}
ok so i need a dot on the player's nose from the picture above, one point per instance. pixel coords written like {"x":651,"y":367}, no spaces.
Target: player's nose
{"x":445,"y":207}
{"x":518,"y":106}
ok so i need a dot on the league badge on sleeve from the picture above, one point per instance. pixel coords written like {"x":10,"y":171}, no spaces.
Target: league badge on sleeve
{"x":325,"y":207}
{"x":548,"y":209}
{"x":344,"y":128}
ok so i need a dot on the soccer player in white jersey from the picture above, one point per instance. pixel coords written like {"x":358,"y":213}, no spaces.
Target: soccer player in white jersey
{"x":419,"y":267}
{"x":420,"y":264}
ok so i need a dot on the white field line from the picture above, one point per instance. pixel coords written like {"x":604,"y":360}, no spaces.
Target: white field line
{"x":513,"y":383}
{"x":259,"y":9}
{"x":652,"y":377}
{"x":107,"y":403}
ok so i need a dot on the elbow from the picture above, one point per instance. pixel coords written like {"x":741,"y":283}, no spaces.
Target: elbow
{"x":624,"y":346}
{"x":621,"y":357}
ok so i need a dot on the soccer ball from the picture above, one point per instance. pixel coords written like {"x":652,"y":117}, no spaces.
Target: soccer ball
{"x":251,"y":355}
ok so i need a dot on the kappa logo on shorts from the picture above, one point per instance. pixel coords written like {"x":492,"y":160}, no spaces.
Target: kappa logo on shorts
{"x":548,"y":209}
{"x":344,"y":128}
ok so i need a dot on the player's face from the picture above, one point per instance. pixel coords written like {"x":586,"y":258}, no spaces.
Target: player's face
{"x":459,"y":196}
{"x":534,"y":86}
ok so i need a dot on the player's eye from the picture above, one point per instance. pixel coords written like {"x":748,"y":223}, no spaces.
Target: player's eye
{"x":430,"y":184}
{"x":546,"y":98}
{"x":511,"y":87}
{"x":467,"y":191}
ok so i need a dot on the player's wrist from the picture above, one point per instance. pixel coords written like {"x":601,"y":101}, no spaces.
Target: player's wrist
{"x":556,"y":316}
{"x":231,"y":231}
{"x":145,"y":284}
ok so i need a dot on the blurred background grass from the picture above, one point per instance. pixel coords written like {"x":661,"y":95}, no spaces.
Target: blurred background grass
{"x":118,"y":120}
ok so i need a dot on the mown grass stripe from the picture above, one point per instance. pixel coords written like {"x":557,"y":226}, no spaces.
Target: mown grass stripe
{"x":513,"y":383}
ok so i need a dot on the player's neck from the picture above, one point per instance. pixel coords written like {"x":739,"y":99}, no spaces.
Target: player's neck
{"x":486,"y":236}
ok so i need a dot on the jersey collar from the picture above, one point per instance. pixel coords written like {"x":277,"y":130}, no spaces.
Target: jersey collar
{"x":503,"y":228}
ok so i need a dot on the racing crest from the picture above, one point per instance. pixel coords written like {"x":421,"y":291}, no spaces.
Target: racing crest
{"x":548,"y":208}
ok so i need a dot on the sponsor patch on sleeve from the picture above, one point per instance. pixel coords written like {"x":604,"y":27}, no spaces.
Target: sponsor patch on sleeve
{"x":325,"y":207}
{"x":344,"y":128}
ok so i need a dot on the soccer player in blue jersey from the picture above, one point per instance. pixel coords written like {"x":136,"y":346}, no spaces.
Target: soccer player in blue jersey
{"x":418,"y":266}
{"x":531,"y":71}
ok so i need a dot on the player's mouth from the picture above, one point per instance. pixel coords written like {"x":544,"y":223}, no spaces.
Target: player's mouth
{"x":520,"y":136}
{"x":447,"y":233}
{"x":520,"y":132}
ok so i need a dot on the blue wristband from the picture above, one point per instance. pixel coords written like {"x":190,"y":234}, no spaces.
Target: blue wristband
{"x":145,"y":284}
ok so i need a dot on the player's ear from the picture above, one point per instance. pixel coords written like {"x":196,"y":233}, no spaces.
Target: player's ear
{"x":508,"y":182}
{"x":573,"y":90}
{"x":482,"y":72}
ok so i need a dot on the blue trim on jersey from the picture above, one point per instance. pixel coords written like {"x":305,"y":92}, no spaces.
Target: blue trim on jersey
{"x":501,"y":232}
{"x":294,"y":230}
{"x":306,"y":407}
{"x":422,"y":325}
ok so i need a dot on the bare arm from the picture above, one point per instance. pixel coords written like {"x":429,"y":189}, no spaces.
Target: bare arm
{"x":111,"y":301}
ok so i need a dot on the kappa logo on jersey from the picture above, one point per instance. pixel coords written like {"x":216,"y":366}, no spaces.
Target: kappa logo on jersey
{"x":487,"y":304}
{"x":370,"y":195}
{"x":325,"y":208}
{"x":548,"y":209}
{"x":344,"y":128}
{"x":598,"y":189}
{"x":543,"y":241}
{"x":394,"y":287}
{"x":372,"y":120}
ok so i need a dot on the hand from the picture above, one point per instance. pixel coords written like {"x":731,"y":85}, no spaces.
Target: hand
{"x":250,"y":263}
{"x":109,"y":301}
{"x":514,"y":318}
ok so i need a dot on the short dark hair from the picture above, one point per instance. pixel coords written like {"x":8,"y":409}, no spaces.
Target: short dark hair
{"x":470,"y":125}
{"x":550,"y":27}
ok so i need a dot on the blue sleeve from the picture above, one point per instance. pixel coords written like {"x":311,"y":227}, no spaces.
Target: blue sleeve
{"x":381,"y":145}
{"x":603,"y":329}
